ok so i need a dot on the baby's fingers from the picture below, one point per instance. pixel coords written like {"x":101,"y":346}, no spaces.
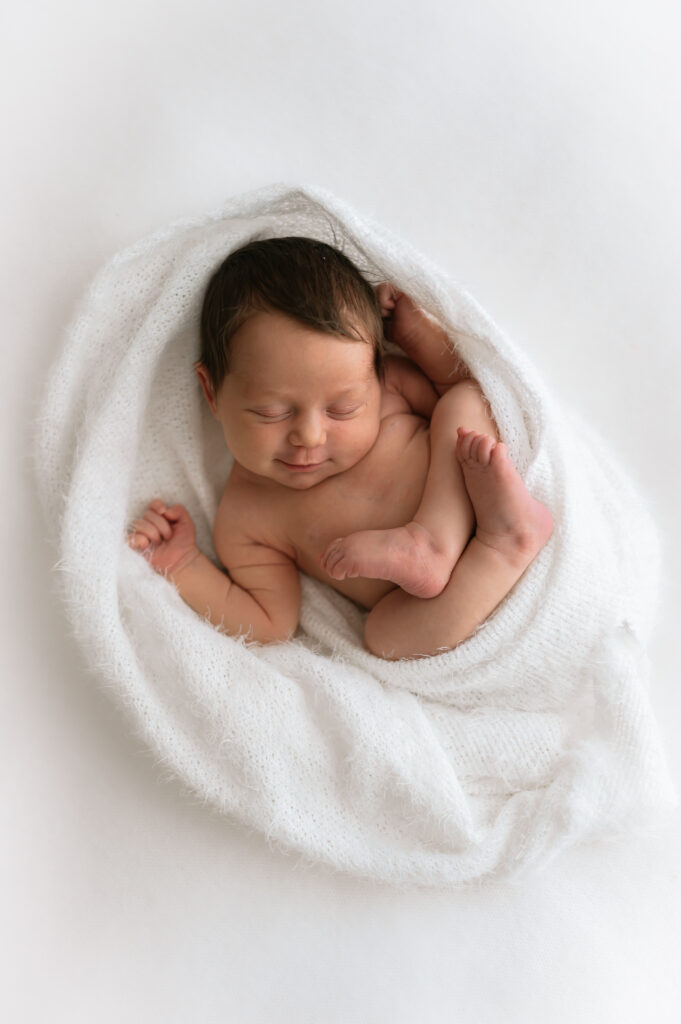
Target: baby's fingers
{"x":387,"y":295}
{"x":159,"y":521}
{"x":153,"y":527}
{"x":175,"y":512}
{"x":138,"y":541}
{"x":143,"y":529}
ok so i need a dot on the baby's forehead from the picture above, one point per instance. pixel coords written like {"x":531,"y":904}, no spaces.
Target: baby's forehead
{"x":274,"y":354}
{"x":265,"y":381}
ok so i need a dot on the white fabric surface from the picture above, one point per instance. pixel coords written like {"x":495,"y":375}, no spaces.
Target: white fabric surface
{"x":533,"y":152}
{"x":533,"y":734}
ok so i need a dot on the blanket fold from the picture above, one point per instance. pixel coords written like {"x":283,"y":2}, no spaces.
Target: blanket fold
{"x":534,"y":734}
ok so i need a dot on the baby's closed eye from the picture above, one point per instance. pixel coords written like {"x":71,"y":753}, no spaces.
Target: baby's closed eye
{"x":335,"y":411}
{"x":270,"y":414}
{"x":343,"y":410}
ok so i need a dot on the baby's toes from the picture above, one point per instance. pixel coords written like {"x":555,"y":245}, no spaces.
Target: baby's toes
{"x":337,"y":570}
{"x":477,"y":449}
{"x":499,"y":453}
{"x":483,"y":446}
{"x":464,"y":442}
{"x":332,"y":559}
{"x":335,"y":561}
{"x":329,"y":553}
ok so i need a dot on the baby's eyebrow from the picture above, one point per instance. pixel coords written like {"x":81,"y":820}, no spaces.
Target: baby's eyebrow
{"x":276,"y":394}
{"x":350,"y":387}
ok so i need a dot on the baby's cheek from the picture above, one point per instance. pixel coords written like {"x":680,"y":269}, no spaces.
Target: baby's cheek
{"x":366,"y":441}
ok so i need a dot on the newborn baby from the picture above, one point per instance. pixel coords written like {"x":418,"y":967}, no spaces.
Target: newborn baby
{"x":382,"y":476}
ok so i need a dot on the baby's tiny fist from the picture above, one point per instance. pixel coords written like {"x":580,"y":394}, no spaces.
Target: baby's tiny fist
{"x":387,"y":295}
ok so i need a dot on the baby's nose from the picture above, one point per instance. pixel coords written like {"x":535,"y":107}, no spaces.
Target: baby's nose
{"x":308,"y":430}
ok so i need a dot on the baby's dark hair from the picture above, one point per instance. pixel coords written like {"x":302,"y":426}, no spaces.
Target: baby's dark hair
{"x":307,"y":280}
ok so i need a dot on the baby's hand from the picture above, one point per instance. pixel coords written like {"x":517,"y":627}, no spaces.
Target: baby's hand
{"x":167,"y":534}
{"x":421,"y":337}
{"x":403,"y":320}
{"x":387,"y":295}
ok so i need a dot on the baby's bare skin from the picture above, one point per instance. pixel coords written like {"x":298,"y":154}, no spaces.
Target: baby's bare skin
{"x":355,"y":506}
{"x":381,"y":492}
{"x":420,"y":555}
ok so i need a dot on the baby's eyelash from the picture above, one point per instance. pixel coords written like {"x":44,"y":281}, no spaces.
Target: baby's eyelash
{"x":343,"y":412}
{"x":336,"y":412}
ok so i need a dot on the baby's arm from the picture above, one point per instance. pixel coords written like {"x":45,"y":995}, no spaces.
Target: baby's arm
{"x":259,"y":597}
{"x":421,"y":337}
{"x":402,"y":377}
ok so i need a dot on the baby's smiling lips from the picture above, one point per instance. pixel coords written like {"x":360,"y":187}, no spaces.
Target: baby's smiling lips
{"x":301,"y":465}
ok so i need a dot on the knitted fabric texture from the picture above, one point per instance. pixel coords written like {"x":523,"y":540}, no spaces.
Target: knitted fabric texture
{"x":533,"y":734}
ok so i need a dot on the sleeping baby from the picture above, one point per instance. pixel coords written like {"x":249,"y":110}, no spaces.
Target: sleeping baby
{"x":381,"y":475}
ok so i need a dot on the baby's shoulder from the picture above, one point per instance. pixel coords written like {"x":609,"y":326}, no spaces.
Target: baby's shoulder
{"x":240,"y":508}
{"x":245,"y":517}
{"x":406,"y":388}
{"x":396,"y":369}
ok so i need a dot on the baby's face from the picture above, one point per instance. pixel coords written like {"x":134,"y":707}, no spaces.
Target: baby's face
{"x":297,"y":406}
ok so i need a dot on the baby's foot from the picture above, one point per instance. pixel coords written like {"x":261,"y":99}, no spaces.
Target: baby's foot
{"x":507,"y":517}
{"x":407,"y":556}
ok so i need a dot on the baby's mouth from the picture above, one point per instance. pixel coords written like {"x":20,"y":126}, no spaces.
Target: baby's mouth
{"x":301,"y":466}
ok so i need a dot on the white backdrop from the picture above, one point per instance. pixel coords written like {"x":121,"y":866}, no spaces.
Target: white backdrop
{"x":534,"y":151}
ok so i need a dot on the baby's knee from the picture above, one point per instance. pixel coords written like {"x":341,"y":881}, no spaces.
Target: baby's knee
{"x":463,"y":405}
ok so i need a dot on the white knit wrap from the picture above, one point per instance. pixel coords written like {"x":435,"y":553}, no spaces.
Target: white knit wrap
{"x":533,"y":734}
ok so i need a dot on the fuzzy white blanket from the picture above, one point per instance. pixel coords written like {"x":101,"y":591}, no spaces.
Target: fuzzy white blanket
{"x":533,"y":734}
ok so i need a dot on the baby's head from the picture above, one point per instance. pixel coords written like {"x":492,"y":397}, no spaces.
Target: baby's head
{"x":309,"y":281}
{"x":291,"y":359}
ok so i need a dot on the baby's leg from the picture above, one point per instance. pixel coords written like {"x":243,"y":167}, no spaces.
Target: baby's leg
{"x":511,"y":529}
{"x":420,"y":556}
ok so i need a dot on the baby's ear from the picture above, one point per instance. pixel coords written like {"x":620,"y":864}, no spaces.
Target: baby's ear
{"x":206,"y":386}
